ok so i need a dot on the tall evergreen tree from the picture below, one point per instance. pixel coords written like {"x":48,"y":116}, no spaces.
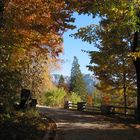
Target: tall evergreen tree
{"x":77,"y":83}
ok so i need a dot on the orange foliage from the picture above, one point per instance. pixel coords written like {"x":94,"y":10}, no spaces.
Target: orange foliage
{"x":106,"y":99}
{"x":89,"y":100}
{"x":39,"y":23}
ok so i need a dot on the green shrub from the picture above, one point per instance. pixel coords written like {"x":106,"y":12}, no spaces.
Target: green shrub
{"x":32,"y":113}
{"x":55,"y":97}
{"x":74,"y":97}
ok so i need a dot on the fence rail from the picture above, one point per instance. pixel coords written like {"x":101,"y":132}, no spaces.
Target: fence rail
{"x":103,"y":109}
{"x":92,"y":108}
{"x":127,"y":111}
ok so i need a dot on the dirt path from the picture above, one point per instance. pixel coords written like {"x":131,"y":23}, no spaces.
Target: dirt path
{"x":74,"y":125}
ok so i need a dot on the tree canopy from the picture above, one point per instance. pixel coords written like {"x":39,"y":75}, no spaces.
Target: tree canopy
{"x":30,"y":42}
{"x":120,"y":25}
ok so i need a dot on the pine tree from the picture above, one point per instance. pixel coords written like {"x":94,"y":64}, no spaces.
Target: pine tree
{"x":61,"y":81}
{"x":77,"y":83}
{"x":62,"y":84}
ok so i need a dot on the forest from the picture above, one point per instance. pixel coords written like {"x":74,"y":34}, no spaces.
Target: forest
{"x":31,"y":40}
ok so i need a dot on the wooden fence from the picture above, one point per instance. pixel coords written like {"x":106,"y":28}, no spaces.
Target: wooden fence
{"x":104,"y":109}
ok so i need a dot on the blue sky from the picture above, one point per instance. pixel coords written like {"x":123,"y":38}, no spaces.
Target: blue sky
{"x":73,"y":47}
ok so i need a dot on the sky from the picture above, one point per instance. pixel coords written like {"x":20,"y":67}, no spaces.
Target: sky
{"x":73,"y":47}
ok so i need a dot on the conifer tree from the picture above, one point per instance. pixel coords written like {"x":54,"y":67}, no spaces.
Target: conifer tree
{"x":77,"y":83}
{"x":62,"y":84}
{"x":61,"y":81}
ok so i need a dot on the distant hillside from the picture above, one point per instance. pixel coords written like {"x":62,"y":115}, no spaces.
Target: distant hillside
{"x":89,"y":80}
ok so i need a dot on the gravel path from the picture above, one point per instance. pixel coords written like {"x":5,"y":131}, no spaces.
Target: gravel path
{"x":74,"y":125}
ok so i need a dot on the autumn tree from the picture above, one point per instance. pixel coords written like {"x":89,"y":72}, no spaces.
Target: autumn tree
{"x":30,"y":34}
{"x":124,"y":17}
{"x":116,"y":67}
{"x":113,"y":64}
{"x":77,"y":83}
{"x":41,"y":24}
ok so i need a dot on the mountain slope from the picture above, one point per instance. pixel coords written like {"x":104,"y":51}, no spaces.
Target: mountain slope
{"x":89,"y":80}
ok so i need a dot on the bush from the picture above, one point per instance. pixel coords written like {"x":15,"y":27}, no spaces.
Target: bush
{"x":55,"y":97}
{"x":74,"y":97}
{"x":32,"y":113}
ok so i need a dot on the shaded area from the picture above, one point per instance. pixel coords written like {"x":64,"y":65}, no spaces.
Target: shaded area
{"x":74,"y":125}
{"x":22,"y":127}
{"x":71,"y":116}
{"x":98,"y":134}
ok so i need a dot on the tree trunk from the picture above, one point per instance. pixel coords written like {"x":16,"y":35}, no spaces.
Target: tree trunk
{"x":1,"y":13}
{"x":124,"y":93}
{"x":135,"y":47}
{"x":137,"y":67}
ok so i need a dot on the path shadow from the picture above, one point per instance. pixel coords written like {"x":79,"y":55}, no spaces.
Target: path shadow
{"x":98,"y":134}
{"x":71,"y":116}
{"x":75,"y":125}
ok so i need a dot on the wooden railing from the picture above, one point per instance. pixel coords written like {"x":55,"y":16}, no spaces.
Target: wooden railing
{"x":104,"y":109}
{"x":127,"y":111}
{"x":93,"y":109}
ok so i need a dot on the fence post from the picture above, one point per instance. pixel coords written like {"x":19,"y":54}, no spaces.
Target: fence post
{"x":106,"y":109}
{"x":67,"y":104}
{"x":81,"y":106}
